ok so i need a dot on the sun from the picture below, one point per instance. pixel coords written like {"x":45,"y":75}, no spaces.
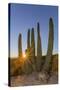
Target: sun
{"x":24,"y":55}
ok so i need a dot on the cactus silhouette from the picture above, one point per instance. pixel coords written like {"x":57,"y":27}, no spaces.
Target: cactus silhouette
{"x":32,"y":43}
{"x":27,"y":64}
{"x":47,"y":64}
{"x":32,"y":49}
{"x":20,"y":45}
{"x":39,"y":49}
{"x":33,"y":63}
{"x":28,"y":43}
{"x":28,"y":39}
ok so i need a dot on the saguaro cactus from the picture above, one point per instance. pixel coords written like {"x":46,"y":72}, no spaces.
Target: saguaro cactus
{"x":47,"y":64}
{"x":28,"y":39}
{"x":20,"y":45}
{"x":28,"y":43}
{"x":32,"y":43}
{"x":39,"y":49}
{"x":32,"y":49}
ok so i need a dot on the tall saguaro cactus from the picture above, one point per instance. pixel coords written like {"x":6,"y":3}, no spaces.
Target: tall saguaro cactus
{"x":28,"y":43}
{"x":20,"y":45}
{"x":28,"y":39}
{"x":32,"y":43}
{"x":47,"y":64}
{"x":39,"y":49}
{"x":32,"y":49}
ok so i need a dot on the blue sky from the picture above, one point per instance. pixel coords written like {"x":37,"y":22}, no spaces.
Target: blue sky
{"x":23,"y":17}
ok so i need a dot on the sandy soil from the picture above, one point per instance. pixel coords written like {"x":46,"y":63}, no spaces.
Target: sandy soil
{"x":34,"y":79}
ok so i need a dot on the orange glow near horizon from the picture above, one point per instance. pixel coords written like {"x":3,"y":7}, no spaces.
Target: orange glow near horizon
{"x":24,"y":55}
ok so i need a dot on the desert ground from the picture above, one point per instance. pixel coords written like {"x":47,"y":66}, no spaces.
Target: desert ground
{"x":34,"y":78}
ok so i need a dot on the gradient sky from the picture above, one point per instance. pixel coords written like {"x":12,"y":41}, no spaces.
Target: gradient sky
{"x":23,"y":17}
